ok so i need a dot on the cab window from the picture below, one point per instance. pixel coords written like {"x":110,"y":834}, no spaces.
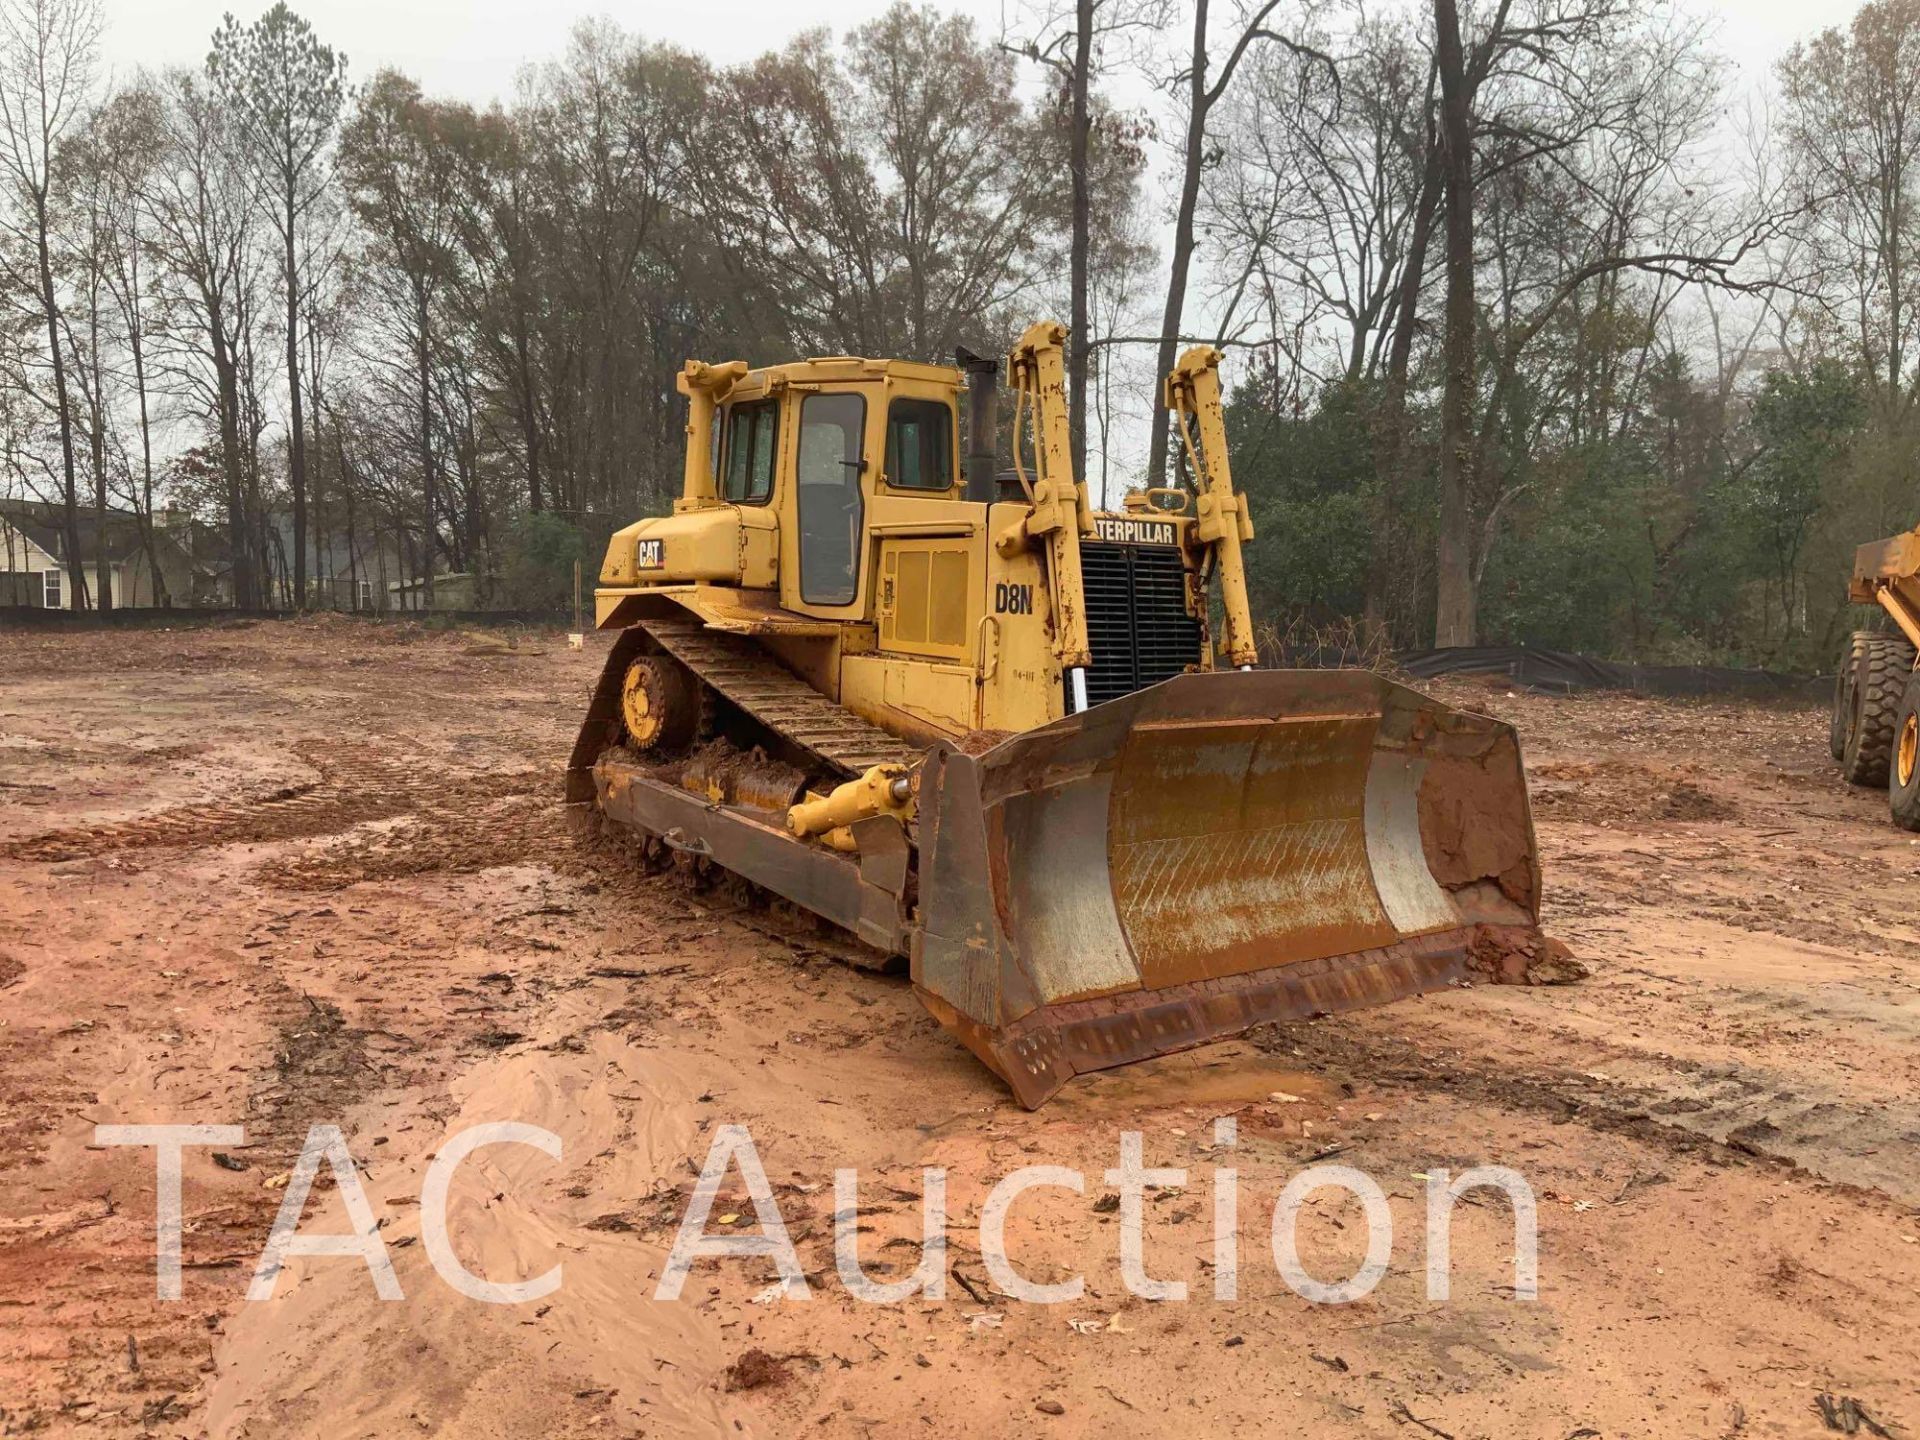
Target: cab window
{"x":752,"y":434}
{"x":920,"y":445}
{"x":828,"y":471}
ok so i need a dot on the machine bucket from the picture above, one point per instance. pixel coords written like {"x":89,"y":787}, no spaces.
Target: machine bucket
{"x":1210,"y":853}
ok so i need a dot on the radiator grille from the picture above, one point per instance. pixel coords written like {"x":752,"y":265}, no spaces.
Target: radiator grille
{"x":1137,"y":621}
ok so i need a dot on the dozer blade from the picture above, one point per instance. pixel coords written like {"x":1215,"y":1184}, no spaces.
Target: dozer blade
{"x":1207,"y":854}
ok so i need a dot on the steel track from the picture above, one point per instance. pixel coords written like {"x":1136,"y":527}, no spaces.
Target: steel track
{"x":737,"y":668}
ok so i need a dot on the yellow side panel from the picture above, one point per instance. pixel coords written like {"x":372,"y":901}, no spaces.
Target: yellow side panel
{"x":942,"y":693}
{"x":916,"y":698}
{"x":910,"y":599}
{"x":727,"y":543}
{"x":759,"y":547}
{"x":1024,"y":688}
{"x":949,"y":587}
{"x":929,"y":596}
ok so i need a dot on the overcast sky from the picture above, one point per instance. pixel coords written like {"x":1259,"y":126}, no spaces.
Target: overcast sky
{"x":473,"y":48}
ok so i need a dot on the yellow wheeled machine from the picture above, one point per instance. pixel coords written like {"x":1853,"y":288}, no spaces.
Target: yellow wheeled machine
{"x":1876,"y":693}
{"x":955,"y":711}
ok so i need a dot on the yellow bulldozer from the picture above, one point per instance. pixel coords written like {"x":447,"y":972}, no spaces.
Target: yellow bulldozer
{"x":951,"y":709}
{"x":1876,"y":693}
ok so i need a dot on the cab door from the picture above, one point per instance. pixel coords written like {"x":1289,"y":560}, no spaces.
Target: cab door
{"x":829,"y":498}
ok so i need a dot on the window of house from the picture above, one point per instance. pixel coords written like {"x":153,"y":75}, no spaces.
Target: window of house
{"x":50,"y":595}
{"x":751,"y":440}
{"x":920,"y":445}
{"x":364,"y":601}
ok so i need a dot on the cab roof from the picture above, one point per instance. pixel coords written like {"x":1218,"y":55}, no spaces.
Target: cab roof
{"x":820,"y":369}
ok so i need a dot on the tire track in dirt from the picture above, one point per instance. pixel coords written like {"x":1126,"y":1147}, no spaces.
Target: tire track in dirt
{"x":1722,"y":1114}
{"x":111,"y":1355}
{"x":442,"y":839}
{"x":351,"y":790}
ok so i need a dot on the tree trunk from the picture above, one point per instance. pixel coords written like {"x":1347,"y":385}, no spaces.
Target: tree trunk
{"x":324,"y":579}
{"x":1182,"y":240}
{"x":239,"y":539}
{"x":346,"y":494}
{"x":424,"y":359}
{"x":97,"y":437}
{"x":1390,"y":419}
{"x":1454,"y":618}
{"x":529,"y":420}
{"x":102,"y":559}
{"x":297,"y":473}
{"x":1077,"y":351}
{"x":76,"y":570}
{"x":162,"y":595}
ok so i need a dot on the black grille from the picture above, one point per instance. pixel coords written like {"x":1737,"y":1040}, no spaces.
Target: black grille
{"x":1137,"y":619}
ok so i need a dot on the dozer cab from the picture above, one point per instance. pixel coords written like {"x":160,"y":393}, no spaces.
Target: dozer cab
{"x":955,"y":711}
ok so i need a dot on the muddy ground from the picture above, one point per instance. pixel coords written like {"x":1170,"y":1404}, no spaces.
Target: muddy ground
{"x":282,"y":874}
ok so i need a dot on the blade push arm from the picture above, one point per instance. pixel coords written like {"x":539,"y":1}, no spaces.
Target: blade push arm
{"x":1060,"y":513}
{"x":1193,"y":394}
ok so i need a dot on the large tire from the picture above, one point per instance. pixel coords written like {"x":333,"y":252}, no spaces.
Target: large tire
{"x":1879,"y":684}
{"x":1843,"y":691}
{"x":1903,"y":781}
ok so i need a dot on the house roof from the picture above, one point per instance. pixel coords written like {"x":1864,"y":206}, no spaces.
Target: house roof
{"x":44,"y":524}
{"x":41,"y":531}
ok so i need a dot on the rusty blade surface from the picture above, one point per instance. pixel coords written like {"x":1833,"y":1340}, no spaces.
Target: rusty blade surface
{"x":1236,"y":847}
{"x":1207,"y":854}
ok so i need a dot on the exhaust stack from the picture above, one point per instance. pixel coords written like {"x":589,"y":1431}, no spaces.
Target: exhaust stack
{"x":983,"y":424}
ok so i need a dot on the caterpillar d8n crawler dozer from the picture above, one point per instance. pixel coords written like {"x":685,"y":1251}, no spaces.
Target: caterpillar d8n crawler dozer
{"x":956,"y":712}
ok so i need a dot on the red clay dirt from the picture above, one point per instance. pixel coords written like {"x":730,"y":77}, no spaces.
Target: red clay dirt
{"x":281,"y":874}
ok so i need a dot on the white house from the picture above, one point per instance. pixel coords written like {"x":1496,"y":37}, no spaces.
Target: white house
{"x":33,"y":567}
{"x":30,"y":574}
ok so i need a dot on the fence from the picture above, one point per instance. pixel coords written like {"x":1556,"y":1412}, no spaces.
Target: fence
{"x":28,"y":617}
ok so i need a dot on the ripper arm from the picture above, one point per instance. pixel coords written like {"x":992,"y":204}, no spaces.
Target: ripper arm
{"x":1193,"y":394}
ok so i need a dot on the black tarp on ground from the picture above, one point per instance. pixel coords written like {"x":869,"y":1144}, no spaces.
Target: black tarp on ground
{"x":144,"y":617}
{"x":1560,"y":672}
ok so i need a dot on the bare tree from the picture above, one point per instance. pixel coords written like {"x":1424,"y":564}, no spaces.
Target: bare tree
{"x":401,"y":179}
{"x":1850,"y":134}
{"x":1319,"y":215}
{"x":83,"y":220}
{"x":126,"y":134}
{"x":286,"y":89}
{"x":202,"y":205}
{"x":1585,"y":176}
{"x":1069,"y":38}
{"x":1204,"y":92}
{"x":1454,"y":619}
{"x":496,"y":289}
{"x":616,"y":276}
{"x":46,"y":71}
